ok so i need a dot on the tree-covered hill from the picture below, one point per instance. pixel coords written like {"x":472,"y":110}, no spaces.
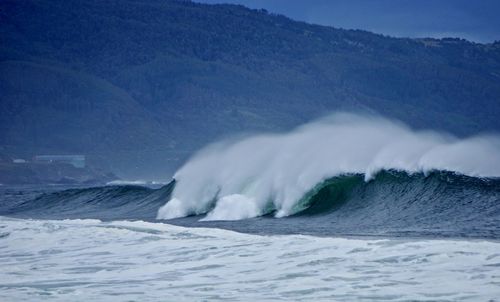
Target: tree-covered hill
{"x":137,"y":85}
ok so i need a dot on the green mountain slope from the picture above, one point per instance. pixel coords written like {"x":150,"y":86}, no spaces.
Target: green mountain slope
{"x":138,"y":85}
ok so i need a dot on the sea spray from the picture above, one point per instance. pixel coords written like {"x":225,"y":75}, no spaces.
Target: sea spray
{"x":281,"y":168}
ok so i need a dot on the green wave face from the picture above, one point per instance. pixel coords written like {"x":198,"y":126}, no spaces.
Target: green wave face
{"x":328,"y":195}
{"x":437,"y":204}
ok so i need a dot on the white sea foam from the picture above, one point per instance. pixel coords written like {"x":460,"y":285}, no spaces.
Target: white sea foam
{"x":89,"y":260}
{"x":133,"y":183}
{"x":278,"y":169}
{"x":224,"y":209}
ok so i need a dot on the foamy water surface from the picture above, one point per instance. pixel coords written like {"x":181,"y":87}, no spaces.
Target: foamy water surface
{"x":90,"y":260}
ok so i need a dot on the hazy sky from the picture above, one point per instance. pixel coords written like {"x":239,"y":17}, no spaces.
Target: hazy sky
{"x":476,"y":20}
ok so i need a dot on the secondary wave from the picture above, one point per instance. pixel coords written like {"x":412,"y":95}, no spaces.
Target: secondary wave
{"x":274,"y":173}
{"x":107,"y":203}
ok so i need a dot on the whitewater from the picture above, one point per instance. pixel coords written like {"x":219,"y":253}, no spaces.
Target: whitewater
{"x":250,"y":177}
{"x":90,"y":260}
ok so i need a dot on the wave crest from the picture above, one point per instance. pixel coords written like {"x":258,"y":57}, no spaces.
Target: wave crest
{"x":273,"y":172}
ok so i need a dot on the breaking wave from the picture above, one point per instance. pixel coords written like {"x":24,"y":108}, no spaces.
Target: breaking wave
{"x":345,"y":175}
{"x":279,"y":174}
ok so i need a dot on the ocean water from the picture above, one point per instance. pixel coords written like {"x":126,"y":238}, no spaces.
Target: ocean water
{"x":87,"y":260}
{"x":346,"y":209}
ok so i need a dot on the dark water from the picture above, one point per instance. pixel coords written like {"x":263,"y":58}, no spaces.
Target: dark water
{"x":441,"y":204}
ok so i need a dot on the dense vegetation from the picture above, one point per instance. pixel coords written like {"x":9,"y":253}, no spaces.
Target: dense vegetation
{"x":138,"y":85}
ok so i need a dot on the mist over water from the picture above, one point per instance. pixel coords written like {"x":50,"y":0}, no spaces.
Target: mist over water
{"x":266,"y":173}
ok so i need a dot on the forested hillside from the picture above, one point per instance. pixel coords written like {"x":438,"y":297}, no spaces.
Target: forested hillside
{"x":138,"y":85}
